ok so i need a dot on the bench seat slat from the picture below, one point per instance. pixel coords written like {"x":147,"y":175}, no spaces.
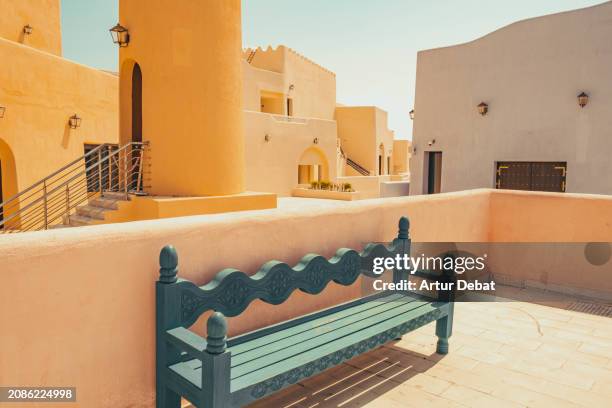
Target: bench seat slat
{"x":310,"y":336}
{"x":269,"y":371}
{"x":317,"y":323}
{"x":302,"y":343}
{"x":262,"y":367}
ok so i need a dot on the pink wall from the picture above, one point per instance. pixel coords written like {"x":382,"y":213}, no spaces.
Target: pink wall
{"x":77,"y":305}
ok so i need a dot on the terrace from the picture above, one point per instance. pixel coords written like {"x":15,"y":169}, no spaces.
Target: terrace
{"x":90,"y":323}
{"x":507,"y":354}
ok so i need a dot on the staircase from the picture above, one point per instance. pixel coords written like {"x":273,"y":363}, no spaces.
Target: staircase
{"x":251,"y":55}
{"x":93,"y":212}
{"x":81,"y":192}
{"x":357,"y":167}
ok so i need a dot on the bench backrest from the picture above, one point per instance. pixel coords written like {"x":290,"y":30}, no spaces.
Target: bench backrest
{"x":231,"y":291}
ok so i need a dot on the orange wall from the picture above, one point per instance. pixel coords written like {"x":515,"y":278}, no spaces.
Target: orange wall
{"x":40,"y":92}
{"x":42,"y":15}
{"x":190,"y":57}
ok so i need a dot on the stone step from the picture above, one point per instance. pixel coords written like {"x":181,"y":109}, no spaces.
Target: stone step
{"x":76,"y":220}
{"x":92,"y":211}
{"x":104,"y":202}
{"x":115,"y":196}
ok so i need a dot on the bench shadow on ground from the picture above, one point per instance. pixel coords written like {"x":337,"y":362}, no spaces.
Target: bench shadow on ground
{"x":357,"y":382}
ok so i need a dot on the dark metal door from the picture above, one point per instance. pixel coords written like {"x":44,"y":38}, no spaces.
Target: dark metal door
{"x":532,"y":176}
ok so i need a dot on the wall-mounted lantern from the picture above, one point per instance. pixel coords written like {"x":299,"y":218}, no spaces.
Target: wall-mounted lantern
{"x":2,"y":110}
{"x":27,"y":29}
{"x":291,"y":87}
{"x":483,"y":108}
{"x":120,"y":35}
{"x":431,"y":142}
{"x":315,"y":140}
{"x":267,"y":137}
{"x":583,"y":99}
{"x":414,"y":149}
{"x":74,"y":121}
{"x":411,"y":113}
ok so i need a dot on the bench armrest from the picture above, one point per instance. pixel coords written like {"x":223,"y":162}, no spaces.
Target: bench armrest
{"x":187,"y":341}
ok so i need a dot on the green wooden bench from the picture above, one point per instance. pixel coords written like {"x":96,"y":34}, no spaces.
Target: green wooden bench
{"x":220,"y":372}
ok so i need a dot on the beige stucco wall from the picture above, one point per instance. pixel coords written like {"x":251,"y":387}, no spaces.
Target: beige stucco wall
{"x":272,"y":166}
{"x":80,"y":302}
{"x":42,"y":15}
{"x":276,"y":69}
{"x":401,"y":156}
{"x":529,"y":73}
{"x":367,"y":186}
{"x":362,"y":130}
{"x":40,"y":92}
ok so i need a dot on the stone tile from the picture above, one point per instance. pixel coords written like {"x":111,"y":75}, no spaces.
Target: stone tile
{"x":409,"y":396}
{"x":516,"y":341}
{"x":598,"y":350}
{"x":571,"y":353}
{"x":529,"y":398}
{"x":603,"y":387}
{"x":472,"y":398}
{"x":501,"y":354}
{"x":463,"y":377}
{"x":587,"y":370}
{"x":482,"y":355}
{"x":520,"y":380}
{"x":553,"y":375}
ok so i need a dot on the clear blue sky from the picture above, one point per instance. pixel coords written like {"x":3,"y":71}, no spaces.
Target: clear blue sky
{"x":370,"y":44}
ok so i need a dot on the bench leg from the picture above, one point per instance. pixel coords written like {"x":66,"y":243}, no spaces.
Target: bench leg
{"x":167,"y":398}
{"x":444,"y":329}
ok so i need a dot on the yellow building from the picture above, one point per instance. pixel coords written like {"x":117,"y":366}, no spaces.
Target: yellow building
{"x":180,"y":132}
{"x":40,"y":91}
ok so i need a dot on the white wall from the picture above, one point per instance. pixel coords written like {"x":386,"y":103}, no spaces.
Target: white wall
{"x":273,"y":166}
{"x":529,"y":73}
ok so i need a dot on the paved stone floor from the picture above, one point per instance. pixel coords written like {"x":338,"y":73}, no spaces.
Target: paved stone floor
{"x":503,"y":354}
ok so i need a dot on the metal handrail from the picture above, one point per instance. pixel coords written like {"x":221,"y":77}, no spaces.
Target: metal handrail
{"x":55,"y":173}
{"x":359,"y":168}
{"x":105,"y":168}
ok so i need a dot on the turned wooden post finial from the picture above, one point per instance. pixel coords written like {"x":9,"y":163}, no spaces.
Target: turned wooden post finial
{"x":216,"y":337}
{"x":404,"y":226}
{"x":168,"y":262}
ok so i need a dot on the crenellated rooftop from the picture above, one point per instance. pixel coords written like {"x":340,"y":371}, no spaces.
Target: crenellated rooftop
{"x":273,"y":58}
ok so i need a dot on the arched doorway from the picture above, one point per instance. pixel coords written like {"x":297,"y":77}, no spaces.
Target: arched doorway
{"x":381,"y":155}
{"x":136,"y":183}
{"x":312,"y":166}
{"x":136,"y":104}
{"x":8,"y":185}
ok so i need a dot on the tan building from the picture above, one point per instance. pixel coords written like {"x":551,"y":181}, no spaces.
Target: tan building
{"x":532,"y":133}
{"x":181,"y":133}
{"x":290,"y":131}
{"x":296,"y":133}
